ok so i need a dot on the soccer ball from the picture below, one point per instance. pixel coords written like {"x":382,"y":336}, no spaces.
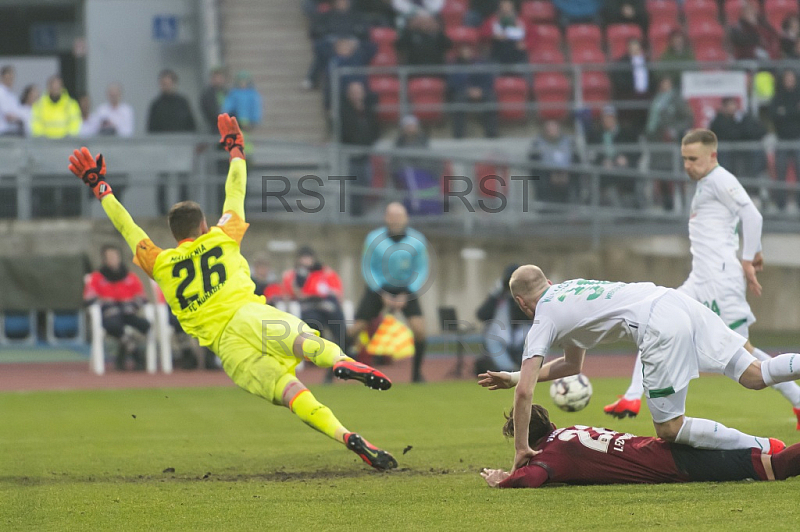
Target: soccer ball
{"x":571,"y":393}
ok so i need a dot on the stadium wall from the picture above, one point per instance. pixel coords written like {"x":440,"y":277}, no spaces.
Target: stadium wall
{"x":465,"y":269}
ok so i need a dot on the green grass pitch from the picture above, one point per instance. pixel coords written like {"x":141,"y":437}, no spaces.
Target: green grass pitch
{"x":81,"y":461}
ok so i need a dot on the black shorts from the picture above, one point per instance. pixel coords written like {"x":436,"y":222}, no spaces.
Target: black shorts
{"x":704,"y":465}
{"x":371,"y":305}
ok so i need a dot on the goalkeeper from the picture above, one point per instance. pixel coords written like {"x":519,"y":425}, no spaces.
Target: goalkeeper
{"x":206,"y":282}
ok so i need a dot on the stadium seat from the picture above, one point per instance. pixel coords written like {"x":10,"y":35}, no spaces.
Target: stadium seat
{"x":583,"y":34}
{"x":659,"y":33}
{"x":65,"y":326}
{"x":700,"y":10}
{"x":546,"y":56}
{"x":618,"y":36}
{"x":596,"y":90}
{"x":665,"y":11}
{"x":383,"y":37}
{"x":538,"y":12}
{"x":732,"y":9}
{"x":512,"y":95}
{"x":427,"y":96}
{"x":387,"y":88}
{"x":18,"y":327}
{"x":461,"y":35}
{"x":553,"y":93}
{"x":711,"y":54}
{"x":777,"y":10}
{"x":543,"y":36}
{"x":453,"y":13}
{"x":98,"y":333}
{"x":706,"y":34}
{"x":587,"y":55}
{"x":384,"y":57}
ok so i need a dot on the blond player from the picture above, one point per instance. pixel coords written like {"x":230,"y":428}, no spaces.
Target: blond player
{"x":718,"y":279}
{"x":206,"y":282}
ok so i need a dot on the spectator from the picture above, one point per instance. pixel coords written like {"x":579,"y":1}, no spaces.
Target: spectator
{"x":111,"y":118}
{"x":790,"y":33}
{"x":359,"y":127}
{"x":411,"y":134}
{"x":376,"y":12}
{"x":341,"y":22}
{"x":677,"y":51}
{"x":481,"y":10}
{"x":348,"y":52}
{"x":170,"y":111}
{"x":244,"y":101}
{"x":669,"y":117}
{"x":55,"y":115}
{"x":267,"y":283}
{"x":85,"y":105}
{"x":505,"y":325}
{"x":615,"y":190}
{"x":752,"y":37}
{"x":422,"y":41}
{"x":212,"y":98}
{"x":633,"y":82}
{"x":395,"y":269}
{"x":472,"y":87}
{"x":785,"y":114}
{"x":29,"y":96}
{"x":12,"y":117}
{"x":408,"y":9}
{"x":506,"y":32}
{"x":319,"y":291}
{"x":736,"y":125}
{"x":554,"y":148}
{"x":120,"y":294}
{"x":626,"y":12}
{"x":578,"y":11}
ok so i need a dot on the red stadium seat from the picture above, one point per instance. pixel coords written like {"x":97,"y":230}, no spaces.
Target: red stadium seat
{"x":553,"y":93}
{"x":777,"y":10}
{"x":663,"y":11}
{"x":427,"y":92}
{"x":582,"y":34}
{"x":384,"y":57}
{"x":659,"y":37}
{"x":383,"y":37}
{"x":453,"y":14}
{"x":711,"y":54}
{"x":538,"y":12}
{"x":618,"y":36}
{"x":596,"y":90}
{"x":462,"y":35}
{"x":543,"y":36}
{"x":546,"y":56}
{"x":732,"y":9}
{"x":513,"y":92}
{"x":387,"y":88}
{"x":706,"y":33}
{"x":587,"y":55}
{"x":700,"y":9}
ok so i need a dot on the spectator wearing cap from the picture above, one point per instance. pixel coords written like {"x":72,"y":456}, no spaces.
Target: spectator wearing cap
{"x":243,"y":101}
{"x":319,"y":291}
{"x":475,"y":88}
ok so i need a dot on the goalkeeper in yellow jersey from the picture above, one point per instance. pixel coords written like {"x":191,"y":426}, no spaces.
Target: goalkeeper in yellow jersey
{"x":206,"y":281}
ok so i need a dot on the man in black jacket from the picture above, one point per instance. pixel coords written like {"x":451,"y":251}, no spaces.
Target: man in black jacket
{"x":359,"y":126}
{"x":505,"y":327}
{"x":785,"y":113}
{"x":170,"y":111}
{"x":734,"y":124}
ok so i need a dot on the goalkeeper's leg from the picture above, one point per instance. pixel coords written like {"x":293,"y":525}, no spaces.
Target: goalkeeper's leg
{"x":295,"y":396}
{"x":326,"y":354}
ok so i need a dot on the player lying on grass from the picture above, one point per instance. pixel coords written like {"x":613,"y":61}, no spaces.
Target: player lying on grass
{"x":718,"y":279}
{"x":677,"y":337}
{"x":206,"y":282}
{"x":588,"y":455}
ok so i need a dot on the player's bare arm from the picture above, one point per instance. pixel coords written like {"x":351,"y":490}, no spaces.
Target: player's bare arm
{"x":523,"y":398}
{"x":570,"y":364}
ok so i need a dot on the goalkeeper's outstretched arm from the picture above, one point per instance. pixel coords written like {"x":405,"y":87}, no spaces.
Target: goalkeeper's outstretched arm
{"x":236,"y":184}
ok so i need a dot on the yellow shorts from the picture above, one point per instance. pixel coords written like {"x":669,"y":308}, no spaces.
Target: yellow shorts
{"x":256,"y":348}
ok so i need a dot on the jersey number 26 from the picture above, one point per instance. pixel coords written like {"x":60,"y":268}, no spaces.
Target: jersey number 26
{"x":207,"y":269}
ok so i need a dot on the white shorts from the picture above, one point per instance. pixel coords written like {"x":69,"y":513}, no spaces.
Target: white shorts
{"x":681,"y":339}
{"x":726,"y":297}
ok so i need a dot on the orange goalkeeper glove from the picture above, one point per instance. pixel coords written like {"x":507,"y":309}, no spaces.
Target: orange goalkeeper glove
{"x":92,"y":171}
{"x":232,"y":139}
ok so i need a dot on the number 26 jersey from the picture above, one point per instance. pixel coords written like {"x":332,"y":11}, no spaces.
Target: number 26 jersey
{"x":205,"y":280}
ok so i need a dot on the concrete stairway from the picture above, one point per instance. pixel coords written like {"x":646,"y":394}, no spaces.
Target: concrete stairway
{"x":270,"y":39}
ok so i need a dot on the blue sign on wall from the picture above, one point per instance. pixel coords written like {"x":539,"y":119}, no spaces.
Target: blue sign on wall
{"x":165,"y":28}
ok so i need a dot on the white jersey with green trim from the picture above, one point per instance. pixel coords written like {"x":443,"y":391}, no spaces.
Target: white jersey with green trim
{"x":583,"y":313}
{"x":713,"y":226}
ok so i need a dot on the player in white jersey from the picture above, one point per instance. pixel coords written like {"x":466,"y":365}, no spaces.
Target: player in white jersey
{"x":676,"y":336}
{"x":718,"y":279}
